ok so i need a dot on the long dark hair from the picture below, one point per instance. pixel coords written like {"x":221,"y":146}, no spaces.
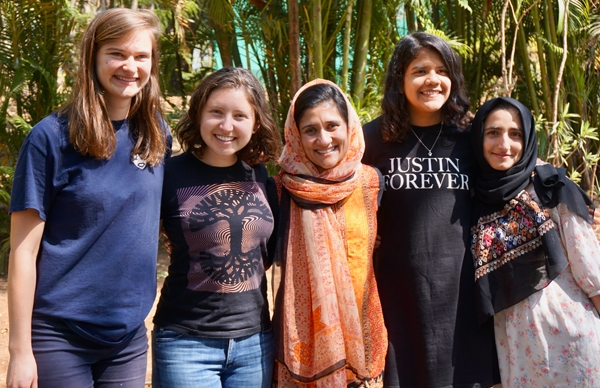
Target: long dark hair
{"x":395,"y":118}
{"x":264,"y":145}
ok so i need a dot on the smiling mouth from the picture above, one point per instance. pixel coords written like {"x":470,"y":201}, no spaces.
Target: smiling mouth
{"x":327,"y":151}
{"x":432,"y":93}
{"x":125,"y":79}
{"x":225,"y":138}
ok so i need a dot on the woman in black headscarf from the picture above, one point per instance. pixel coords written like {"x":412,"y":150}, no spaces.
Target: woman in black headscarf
{"x":536,"y":256}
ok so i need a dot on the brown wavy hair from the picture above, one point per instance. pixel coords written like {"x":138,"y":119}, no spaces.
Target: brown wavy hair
{"x":90,"y":129}
{"x":265,"y":143}
{"x":395,"y":121}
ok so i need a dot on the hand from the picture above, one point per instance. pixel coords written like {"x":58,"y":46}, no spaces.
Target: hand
{"x":377,"y":241}
{"x":596,"y":301}
{"x":22,"y":372}
{"x":596,"y":216}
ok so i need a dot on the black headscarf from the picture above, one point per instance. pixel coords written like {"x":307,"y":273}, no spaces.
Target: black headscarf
{"x":498,"y":187}
{"x":516,"y":246}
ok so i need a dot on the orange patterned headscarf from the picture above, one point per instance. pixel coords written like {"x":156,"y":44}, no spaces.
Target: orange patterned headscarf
{"x":322,"y":340}
{"x":293,"y":160}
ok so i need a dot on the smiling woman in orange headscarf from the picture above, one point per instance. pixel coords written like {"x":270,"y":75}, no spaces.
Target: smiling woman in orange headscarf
{"x":328,"y":320}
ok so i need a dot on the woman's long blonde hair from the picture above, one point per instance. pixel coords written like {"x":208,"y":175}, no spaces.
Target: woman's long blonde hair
{"x":90,"y":129}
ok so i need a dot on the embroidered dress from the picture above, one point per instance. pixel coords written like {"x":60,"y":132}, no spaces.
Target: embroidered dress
{"x":552,"y":338}
{"x":538,"y":264}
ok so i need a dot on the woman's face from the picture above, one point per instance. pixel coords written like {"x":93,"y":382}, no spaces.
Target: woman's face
{"x":123,"y":68}
{"x":502,"y":139}
{"x":324,"y":135}
{"x":426,"y":87}
{"x":226,"y":125}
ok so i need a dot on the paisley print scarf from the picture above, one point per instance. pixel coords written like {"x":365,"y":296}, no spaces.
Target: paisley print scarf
{"x":329,"y":323}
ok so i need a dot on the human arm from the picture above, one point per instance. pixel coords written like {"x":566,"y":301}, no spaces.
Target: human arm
{"x":273,"y":197}
{"x":596,"y":216}
{"x":596,"y":301}
{"x":583,"y":252}
{"x":26,"y":234}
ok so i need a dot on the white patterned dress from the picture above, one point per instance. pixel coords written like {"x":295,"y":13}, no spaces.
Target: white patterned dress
{"x":552,"y":338}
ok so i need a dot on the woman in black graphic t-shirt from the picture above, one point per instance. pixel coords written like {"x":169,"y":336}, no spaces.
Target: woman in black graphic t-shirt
{"x":212,"y":325}
{"x":425,"y":283}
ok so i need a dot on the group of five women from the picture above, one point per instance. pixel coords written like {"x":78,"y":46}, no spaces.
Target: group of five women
{"x":395,"y":246}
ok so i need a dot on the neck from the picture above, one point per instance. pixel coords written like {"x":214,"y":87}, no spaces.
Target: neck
{"x":118,"y":110}
{"x":421,"y":120}
{"x":213,"y":161}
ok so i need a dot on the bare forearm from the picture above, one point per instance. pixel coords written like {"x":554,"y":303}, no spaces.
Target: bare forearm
{"x":26,"y":234}
{"x":21,"y":288}
{"x":26,"y":229}
{"x":596,"y":302}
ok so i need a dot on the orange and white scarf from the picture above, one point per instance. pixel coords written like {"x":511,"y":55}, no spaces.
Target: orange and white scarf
{"x":330,"y":322}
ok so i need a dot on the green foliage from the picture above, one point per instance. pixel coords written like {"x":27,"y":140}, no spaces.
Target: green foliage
{"x":37,"y":59}
{"x":6,"y":178}
{"x":36,"y":53}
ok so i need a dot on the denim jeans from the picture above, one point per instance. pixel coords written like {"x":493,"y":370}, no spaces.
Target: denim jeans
{"x":66,"y":359}
{"x":182,"y":361}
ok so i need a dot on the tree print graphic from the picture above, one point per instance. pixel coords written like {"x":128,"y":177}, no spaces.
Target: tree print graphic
{"x":233,"y":216}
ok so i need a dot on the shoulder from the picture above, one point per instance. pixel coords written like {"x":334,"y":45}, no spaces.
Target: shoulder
{"x":50,"y":126}
{"x":178,"y":162}
{"x":370,"y":172}
{"x":52,"y":132}
{"x":453,"y":129}
{"x":373,"y":140}
{"x":372,"y":129}
{"x":261,"y":173}
{"x":373,"y":177}
{"x":255,"y":173}
{"x":276,"y":183}
{"x":182,"y":158}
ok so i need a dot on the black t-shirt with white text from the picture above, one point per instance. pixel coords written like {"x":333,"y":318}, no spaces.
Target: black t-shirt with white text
{"x":424,"y":222}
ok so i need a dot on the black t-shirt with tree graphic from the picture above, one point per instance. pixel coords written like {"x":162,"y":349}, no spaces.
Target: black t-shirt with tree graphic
{"x":217,"y":222}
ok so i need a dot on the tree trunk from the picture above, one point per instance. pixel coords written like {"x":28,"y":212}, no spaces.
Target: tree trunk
{"x":410,"y":18}
{"x":435,"y":14}
{"x":522,"y":44}
{"x":317,"y":24}
{"x":294,"y":45}
{"x":549,"y":32}
{"x":223,"y":38}
{"x":346,"y":45}
{"x":542,"y":61}
{"x":449,"y":15}
{"x":362,"y":49}
{"x":480,"y":56}
{"x":235,"y":52}
{"x":331,"y":48}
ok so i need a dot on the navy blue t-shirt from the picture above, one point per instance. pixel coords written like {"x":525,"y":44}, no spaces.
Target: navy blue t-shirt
{"x":218,"y":222}
{"x":97,"y":259}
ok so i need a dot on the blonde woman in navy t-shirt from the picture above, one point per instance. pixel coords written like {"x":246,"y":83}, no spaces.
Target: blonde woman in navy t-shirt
{"x":84,"y":217}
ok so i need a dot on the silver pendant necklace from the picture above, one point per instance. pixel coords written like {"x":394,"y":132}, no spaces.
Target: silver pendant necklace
{"x":423,"y":144}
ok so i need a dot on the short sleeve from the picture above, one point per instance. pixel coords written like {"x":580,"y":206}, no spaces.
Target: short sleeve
{"x":33,"y":179}
{"x":583,"y":250}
